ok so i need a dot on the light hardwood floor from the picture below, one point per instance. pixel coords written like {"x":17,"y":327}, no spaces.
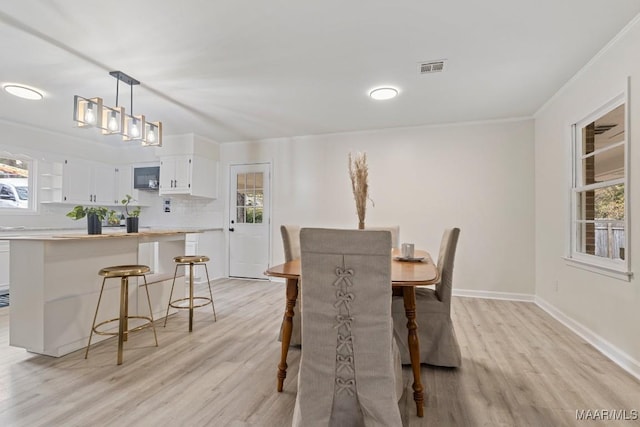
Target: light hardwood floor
{"x":520,"y":368}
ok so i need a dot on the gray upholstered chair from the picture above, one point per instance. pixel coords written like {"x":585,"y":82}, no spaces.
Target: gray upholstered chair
{"x":290,"y":241}
{"x":395,"y":234}
{"x":438,"y":343}
{"x":348,"y":369}
{"x":291,"y":244}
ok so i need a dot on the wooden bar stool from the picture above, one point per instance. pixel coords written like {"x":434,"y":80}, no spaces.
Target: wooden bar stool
{"x":123,"y":272}
{"x":191,"y":261}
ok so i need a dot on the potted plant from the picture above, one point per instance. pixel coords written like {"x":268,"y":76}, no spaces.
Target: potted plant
{"x":95,"y":215}
{"x":113,"y":218}
{"x":359,"y":173}
{"x":133,"y":216}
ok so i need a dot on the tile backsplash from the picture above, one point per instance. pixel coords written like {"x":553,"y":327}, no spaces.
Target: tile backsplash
{"x":184,"y":212}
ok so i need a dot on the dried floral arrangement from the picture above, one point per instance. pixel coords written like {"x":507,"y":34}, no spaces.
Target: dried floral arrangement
{"x":359,"y":173}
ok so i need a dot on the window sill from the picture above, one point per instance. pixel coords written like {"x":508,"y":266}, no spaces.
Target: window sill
{"x":599,"y":269}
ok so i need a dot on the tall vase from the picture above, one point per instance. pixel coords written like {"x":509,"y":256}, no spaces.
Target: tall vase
{"x":132,"y":224}
{"x":361,"y":225}
{"x":94,"y":225}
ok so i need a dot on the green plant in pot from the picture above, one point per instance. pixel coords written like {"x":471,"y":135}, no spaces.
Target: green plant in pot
{"x":113,"y":218}
{"x":95,"y":215}
{"x":132,"y":216}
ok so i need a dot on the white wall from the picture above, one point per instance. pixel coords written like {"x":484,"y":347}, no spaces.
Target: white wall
{"x":478,"y":177}
{"x":602,"y":308}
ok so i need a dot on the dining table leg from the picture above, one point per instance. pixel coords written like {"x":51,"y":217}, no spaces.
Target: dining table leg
{"x":292,"y":296}
{"x":409,"y":296}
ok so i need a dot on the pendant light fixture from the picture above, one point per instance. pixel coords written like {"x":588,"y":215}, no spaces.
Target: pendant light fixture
{"x":113,"y":118}
{"x":91,"y":112}
{"x":132,"y":124}
{"x":85,"y":112}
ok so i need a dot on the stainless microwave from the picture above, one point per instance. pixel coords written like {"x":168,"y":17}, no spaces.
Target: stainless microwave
{"x":146,"y":178}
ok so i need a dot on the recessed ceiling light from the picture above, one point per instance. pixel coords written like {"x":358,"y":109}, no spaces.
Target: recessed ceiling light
{"x":23,"y":91}
{"x":383,"y":93}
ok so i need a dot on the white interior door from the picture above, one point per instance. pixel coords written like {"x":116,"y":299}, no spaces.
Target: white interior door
{"x":249,"y":208}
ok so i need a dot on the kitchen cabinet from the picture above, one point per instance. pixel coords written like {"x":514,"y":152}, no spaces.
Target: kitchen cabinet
{"x":89,"y":183}
{"x":50,"y":182}
{"x":125,"y":182}
{"x":188,"y":175}
{"x":105,"y":184}
{"x":175,"y":174}
{"x":86,"y":183}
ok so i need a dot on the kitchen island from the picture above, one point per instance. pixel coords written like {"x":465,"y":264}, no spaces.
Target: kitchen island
{"x":55,"y":283}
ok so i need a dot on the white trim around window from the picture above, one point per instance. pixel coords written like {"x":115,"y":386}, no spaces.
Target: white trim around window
{"x":593,"y":245}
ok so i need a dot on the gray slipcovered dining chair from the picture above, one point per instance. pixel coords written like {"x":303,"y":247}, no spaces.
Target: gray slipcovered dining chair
{"x":395,"y":234}
{"x":291,"y":244}
{"x":350,"y":372}
{"x":438,"y":343}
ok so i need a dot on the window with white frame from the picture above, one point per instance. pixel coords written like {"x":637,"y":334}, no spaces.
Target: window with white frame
{"x":15,"y":183}
{"x":600,"y":217}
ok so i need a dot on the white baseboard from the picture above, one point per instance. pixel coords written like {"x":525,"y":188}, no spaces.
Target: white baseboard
{"x":203,"y":280}
{"x":511,"y":296}
{"x":618,"y":356}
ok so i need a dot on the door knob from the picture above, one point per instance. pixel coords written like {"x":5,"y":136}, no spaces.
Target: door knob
{"x":231,"y":229}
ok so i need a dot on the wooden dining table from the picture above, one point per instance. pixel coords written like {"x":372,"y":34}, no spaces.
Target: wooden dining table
{"x":405,"y":276}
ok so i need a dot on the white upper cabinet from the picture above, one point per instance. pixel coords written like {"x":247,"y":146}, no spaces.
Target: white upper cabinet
{"x":83,"y":182}
{"x":125,"y":182}
{"x":175,"y":174}
{"x":89,"y":183}
{"x":105,"y":184}
{"x":76,"y":187}
{"x":189,"y":166}
{"x":189,"y":175}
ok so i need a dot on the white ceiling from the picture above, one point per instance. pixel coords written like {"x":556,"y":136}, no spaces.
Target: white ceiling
{"x":235,"y":70}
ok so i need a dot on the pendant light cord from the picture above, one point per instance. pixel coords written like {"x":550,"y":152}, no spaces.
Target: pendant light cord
{"x":117,"y":91}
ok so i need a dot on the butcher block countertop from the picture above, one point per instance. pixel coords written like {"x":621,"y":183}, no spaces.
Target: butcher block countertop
{"x":106,"y":234}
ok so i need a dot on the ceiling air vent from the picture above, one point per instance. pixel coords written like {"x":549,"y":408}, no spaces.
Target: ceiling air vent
{"x":431,"y":67}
